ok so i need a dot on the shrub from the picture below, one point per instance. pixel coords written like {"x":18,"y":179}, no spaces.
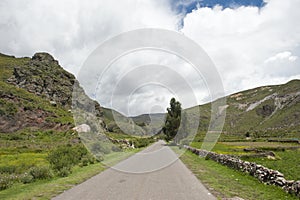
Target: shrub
{"x":6,"y":181}
{"x":26,"y":178}
{"x":85,"y":161}
{"x":247,"y":134}
{"x":64,"y":172}
{"x":64,"y":158}
{"x":92,"y":159}
{"x":9,"y":169}
{"x":61,"y":158}
{"x":42,"y":172}
{"x":99,"y":157}
{"x":142,"y":142}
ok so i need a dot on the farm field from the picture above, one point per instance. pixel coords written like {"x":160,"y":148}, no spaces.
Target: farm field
{"x":286,"y":159}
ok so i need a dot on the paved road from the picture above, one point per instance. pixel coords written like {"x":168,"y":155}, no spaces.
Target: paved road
{"x":154,"y":173}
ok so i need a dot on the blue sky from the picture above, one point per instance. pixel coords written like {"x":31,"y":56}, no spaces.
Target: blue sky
{"x":186,"y":6}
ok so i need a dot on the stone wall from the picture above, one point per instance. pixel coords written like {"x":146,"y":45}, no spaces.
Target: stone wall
{"x":265,"y":175}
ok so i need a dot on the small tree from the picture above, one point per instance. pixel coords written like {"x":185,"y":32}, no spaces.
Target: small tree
{"x":173,"y":117}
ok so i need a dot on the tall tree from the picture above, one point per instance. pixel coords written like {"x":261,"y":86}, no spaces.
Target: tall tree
{"x":173,"y":117}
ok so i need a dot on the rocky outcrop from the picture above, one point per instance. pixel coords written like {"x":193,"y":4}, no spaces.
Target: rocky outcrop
{"x":43,"y":76}
{"x":263,"y":174}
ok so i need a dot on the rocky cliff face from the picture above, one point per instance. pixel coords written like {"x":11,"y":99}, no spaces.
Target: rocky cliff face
{"x":43,"y":76}
{"x":38,"y":95}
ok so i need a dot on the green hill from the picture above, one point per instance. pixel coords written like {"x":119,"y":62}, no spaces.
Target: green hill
{"x":36,"y":93}
{"x":36,"y":97}
{"x":267,"y":111}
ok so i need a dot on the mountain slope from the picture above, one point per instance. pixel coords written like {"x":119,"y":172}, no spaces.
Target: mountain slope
{"x":267,"y":111}
{"x":36,"y":93}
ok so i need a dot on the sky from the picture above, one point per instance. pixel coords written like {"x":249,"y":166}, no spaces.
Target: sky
{"x":251,"y":43}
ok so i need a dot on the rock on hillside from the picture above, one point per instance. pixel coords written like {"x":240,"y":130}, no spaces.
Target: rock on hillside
{"x":269,"y":108}
{"x":43,"y":76}
{"x":38,"y":94}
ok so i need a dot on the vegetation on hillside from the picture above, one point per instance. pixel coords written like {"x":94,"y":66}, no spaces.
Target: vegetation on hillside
{"x":37,"y":142}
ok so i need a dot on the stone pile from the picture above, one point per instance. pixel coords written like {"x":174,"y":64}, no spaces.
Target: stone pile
{"x":263,"y":174}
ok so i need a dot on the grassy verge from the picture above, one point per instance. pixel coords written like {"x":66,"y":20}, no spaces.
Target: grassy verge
{"x":224,"y":182}
{"x":287,"y":161}
{"x":46,"y":189}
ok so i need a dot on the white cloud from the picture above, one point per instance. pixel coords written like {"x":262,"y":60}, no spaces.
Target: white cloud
{"x":283,"y":56}
{"x":150,"y":78}
{"x":71,"y":29}
{"x":249,"y":46}
{"x":242,"y":42}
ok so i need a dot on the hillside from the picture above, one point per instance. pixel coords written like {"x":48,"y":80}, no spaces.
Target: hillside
{"x":272,"y":109}
{"x":36,"y":93}
{"x":37,"y":96}
{"x":118,"y":123}
{"x":267,"y":111}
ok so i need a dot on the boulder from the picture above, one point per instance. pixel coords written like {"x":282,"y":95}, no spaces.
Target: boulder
{"x":83,"y":128}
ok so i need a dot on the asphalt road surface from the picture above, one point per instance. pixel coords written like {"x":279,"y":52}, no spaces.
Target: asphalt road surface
{"x":154,"y":173}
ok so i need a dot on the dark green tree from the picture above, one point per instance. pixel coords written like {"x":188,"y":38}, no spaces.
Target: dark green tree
{"x":183,"y":130}
{"x":172,"y":122}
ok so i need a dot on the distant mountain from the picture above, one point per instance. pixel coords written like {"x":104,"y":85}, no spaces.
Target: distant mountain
{"x":152,"y":123}
{"x":142,"y":125}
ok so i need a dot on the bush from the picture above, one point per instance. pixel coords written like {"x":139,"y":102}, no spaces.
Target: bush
{"x":9,"y":169}
{"x":85,"y":161}
{"x":99,"y":157}
{"x":64,"y":172}
{"x":6,"y":181}
{"x":92,"y":159}
{"x":64,"y":158}
{"x":26,"y":178}
{"x":142,"y":142}
{"x":42,"y":172}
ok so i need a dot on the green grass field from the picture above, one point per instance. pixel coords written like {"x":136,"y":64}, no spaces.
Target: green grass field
{"x":286,"y":161}
{"x":224,"y":182}
{"x":24,"y":150}
{"x":45,"y":189}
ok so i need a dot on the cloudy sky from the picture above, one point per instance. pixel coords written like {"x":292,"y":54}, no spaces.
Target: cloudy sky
{"x":250,"y":42}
